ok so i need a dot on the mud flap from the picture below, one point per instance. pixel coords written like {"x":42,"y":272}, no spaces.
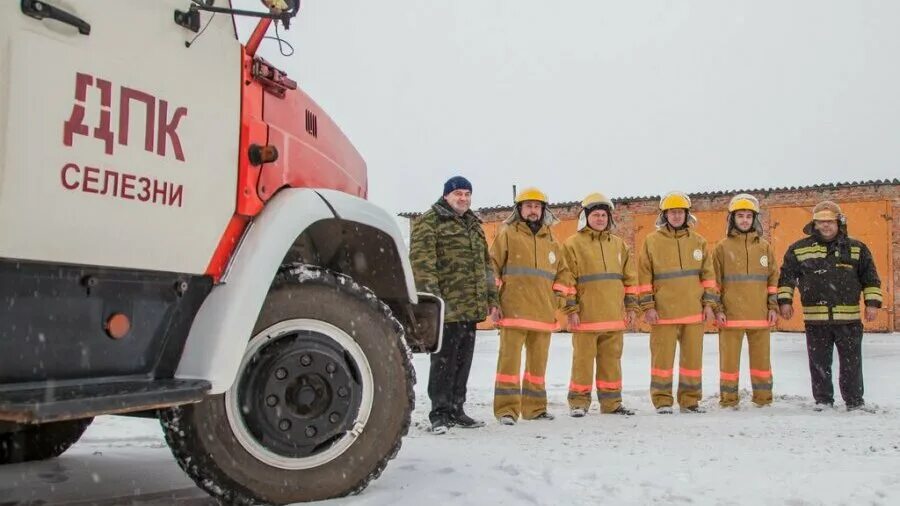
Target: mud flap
{"x":425,"y":324}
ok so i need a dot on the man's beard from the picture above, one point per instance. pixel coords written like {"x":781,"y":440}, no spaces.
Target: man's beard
{"x":534,"y":225}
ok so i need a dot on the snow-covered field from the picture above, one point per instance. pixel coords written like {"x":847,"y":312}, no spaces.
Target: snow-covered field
{"x":785,"y":454}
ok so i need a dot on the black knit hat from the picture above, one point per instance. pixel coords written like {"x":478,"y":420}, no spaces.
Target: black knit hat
{"x":457,"y":183}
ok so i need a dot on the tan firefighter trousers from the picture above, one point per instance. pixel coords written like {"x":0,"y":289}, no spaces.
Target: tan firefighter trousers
{"x":689,"y":338}
{"x":730,"y":341}
{"x":513,"y":395}
{"x":604,"y":349}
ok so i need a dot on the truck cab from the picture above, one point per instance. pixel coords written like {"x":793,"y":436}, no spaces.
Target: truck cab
{"x":184,"y":234}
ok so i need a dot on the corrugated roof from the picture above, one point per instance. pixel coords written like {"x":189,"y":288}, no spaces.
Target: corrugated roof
{"x":824,"y":186}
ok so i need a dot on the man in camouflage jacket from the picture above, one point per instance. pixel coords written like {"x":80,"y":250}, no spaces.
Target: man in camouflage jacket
{"x":449,"y":256}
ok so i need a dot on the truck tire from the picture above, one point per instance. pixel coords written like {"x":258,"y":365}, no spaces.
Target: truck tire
{"x":39,"y":442}
{"x":320,"y":403}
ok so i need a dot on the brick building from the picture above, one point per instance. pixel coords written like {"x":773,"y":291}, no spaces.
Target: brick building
{"x":872,"y":209}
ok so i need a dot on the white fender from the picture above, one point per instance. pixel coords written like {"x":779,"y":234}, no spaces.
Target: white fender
{"x":222,"y":327}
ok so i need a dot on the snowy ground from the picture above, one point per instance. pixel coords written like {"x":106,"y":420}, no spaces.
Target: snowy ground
{"x":785,"y":454}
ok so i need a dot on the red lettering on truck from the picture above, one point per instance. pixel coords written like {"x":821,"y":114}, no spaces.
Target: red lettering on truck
{"x":121,"y":185}
{"x":160,"y":128}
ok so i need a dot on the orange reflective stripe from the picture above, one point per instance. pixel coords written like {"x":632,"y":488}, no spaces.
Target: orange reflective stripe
{"x":729,"y":376}
{"x":759,"y":373}
{"x":609,"y":385}
{"x":632,"y":290}
{"x":697,"y":318}
{"x":528,"y":324}
{"x":644,"y":288}
{"x":568,"y":290}
{"x":662,"y":373}
{"x":691,"y":373}
{"x":772,"y":289}
{"x":613,"y":325}
{"x":709,"y":283}
{"x":747,"y":324}
{"x":537,"y":380}
{"x":575,"y":387}
{"x":508,"y":378}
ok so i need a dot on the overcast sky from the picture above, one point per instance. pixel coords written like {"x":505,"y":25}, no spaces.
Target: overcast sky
{"x":628,"y":97}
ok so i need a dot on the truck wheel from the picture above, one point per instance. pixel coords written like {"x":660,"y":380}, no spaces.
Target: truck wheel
{"x":39,"y":442}
{"x":320,"y":403}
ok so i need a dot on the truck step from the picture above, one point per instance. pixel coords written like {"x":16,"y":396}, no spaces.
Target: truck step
{"x":53,"y":402}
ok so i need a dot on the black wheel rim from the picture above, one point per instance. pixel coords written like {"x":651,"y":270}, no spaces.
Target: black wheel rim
{"x":299,"y":394}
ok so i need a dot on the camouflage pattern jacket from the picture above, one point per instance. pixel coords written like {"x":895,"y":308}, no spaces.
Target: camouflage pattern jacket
{"x":449,"y":257}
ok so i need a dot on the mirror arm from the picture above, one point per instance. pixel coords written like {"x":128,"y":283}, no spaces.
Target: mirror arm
{"x":283,"y":17}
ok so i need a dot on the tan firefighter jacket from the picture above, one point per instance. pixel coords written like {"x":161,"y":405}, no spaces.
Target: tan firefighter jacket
{"x":676,"y":276}
{"x":605,"y":279}
{"x":531,"y":272}
{"x":747,"y":279}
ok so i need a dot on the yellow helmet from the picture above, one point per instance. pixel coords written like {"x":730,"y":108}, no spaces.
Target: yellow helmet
{"x":531,"y":194}
{"x":674,"y":200}
{"x":596,"y":199}
{"x":743,"y":202}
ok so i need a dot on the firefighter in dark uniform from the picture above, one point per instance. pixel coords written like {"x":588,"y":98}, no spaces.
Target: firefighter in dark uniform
{"x":832,"y":270}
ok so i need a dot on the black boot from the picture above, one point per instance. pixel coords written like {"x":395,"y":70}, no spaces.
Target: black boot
{"x":439,"y":426}
{"x":462,"y":420}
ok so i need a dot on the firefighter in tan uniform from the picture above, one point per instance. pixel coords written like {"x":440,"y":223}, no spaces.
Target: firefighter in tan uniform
{"x":677,"y":293}
{"x":606,"y":289}
{"x":531,"y":271}
{"x":748,"y":283}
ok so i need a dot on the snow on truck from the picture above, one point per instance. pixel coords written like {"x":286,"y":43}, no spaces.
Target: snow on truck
{"x":184,"y":234}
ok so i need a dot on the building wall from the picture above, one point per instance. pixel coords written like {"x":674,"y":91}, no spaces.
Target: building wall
{"x":873,"y":214}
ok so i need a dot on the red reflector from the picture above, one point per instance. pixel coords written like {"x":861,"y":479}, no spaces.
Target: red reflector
{"x":117,"y":326}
